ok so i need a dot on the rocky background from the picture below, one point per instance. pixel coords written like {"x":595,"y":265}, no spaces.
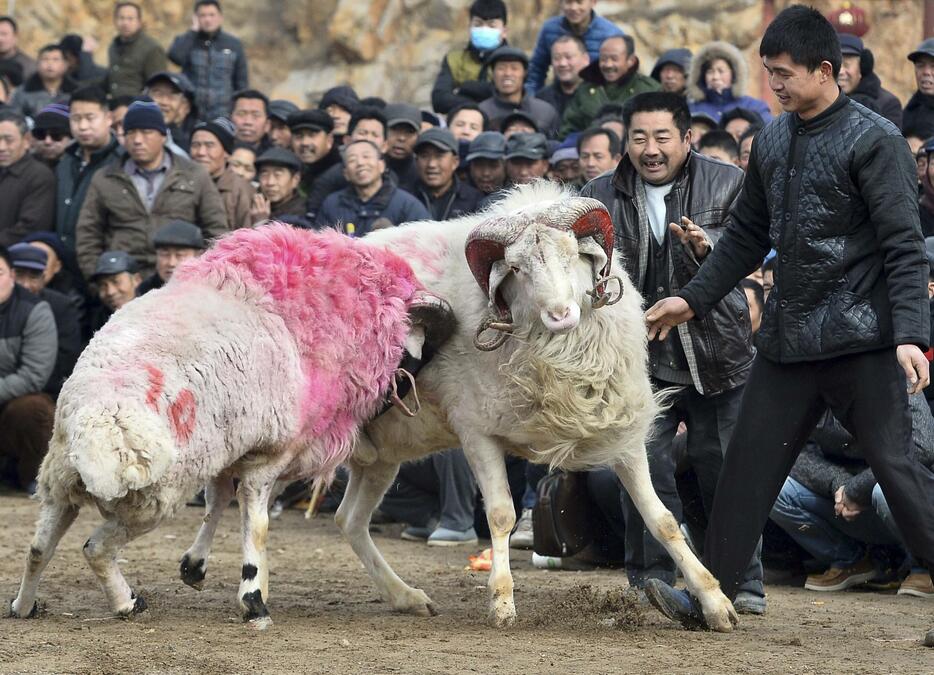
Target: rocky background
{"x":393,"y":48}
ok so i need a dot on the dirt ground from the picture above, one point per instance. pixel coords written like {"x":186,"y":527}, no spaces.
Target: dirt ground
{"x":328,"y":617}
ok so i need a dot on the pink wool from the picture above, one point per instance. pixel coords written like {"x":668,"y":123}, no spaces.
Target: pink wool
{"x":344,"y":302}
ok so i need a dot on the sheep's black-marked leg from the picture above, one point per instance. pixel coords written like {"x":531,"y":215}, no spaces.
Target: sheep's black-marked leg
{"x":217,"y":495}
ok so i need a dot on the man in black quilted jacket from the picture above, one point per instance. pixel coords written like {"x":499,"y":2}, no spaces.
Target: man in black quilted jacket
{"x":830,"y":186}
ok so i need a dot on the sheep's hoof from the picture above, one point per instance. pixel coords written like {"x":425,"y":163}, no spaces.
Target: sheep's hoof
{"x":502,"y":613}
{"x":192,"y":574}
{"x":416,"y":602}
{"x":260,"y":623}
{"x":721,"y":617}
{"x":139,"y":606}
{"x":33,"y":613}
{"x":254,"y":610}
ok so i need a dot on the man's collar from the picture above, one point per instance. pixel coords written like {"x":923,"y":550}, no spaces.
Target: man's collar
{"x":165,"y":165}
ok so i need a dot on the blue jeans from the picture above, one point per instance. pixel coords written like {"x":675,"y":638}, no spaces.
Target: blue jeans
{"x":809,"y":519}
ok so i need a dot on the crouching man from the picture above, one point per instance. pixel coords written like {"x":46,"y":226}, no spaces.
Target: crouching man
{"x":28,"y":347}
{"x":175,"y":243}
{"x":667,"y":204}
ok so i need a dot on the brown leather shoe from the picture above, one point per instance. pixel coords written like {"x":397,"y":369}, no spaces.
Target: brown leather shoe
{"x":841,"y":578}
{"x":917,"y":584}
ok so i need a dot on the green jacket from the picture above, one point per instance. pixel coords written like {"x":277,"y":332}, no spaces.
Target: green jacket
{"x":131,"y":63}
{"x":593,"y":93}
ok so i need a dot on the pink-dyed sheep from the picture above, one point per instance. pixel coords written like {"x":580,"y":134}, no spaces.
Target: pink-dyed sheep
{"x":261,"y":358}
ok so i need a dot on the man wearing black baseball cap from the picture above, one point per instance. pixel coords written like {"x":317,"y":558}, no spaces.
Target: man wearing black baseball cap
{"x":313,"y":143}
{"x":279,"y":132}
{"x":404,"y":123}
{"x":508,"y":69}
{"x":486,"y":162}
{"x":116,"y":275}
{"x":526,"y":158}
{"x":859,"y":81}
{"x":279,"y":172}
{"x":919,"y":111}
{"x":438,"y":187}
{"x":175,"y":95}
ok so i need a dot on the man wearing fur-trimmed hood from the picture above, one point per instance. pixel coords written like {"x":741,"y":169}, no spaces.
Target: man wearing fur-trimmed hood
{"x":718,"y":80}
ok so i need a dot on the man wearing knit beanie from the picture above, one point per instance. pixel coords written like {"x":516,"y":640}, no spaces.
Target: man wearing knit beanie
{"x":51,"y":134}
{"x":211,"y":145}
{"x":128,"y":201}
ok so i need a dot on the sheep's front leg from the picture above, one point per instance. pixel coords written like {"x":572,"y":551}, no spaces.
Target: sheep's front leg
{"x":488,"y":462}
{"x":217,"y":495}
{"x":364,"y":492}
{"x":254,"y":583}
{"x":54,"y":520}
{"x":718,"y":610}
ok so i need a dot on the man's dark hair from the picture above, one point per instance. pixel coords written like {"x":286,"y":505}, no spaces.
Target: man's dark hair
{"x":120,"y":101}
{"x":124,"y":3}
{"x":758,"y":293}
{"x":567,"y":37}
{"x":52,"y":48}
{"x":659,"y":101}
{"x":627,"y":39}
{"x":10,"y":20}
{"x":251,"y":94}
{"x":379,"y":153}
{"x":468,"y":106}
{"x":488,"y":10}
{"x":616,"y":145}
{"x":10,"y":115}
{"x":367,"y":113}
{"x":201,"y":3}
{"x":374,"y":102}
{"x":243,"y":145}
{"x":718,"y":138}
{"x":749,"y":133}
{"x":90,"y":94}
{"x":806,"y":36}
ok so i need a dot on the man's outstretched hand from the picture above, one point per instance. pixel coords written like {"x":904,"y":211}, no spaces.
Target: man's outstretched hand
{"x":916,"y":367}
{"x":665,"y":315}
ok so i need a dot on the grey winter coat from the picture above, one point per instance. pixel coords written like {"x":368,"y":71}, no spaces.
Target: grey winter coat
{"x":28,"y":345}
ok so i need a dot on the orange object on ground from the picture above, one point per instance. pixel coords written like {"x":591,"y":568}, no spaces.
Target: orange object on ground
{"x":482,"y":562}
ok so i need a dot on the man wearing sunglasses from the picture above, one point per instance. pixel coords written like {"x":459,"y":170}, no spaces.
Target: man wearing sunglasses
{"x":51,"y":134}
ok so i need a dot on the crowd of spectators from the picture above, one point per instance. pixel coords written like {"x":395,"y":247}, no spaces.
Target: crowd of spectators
{"x":112,"y":175}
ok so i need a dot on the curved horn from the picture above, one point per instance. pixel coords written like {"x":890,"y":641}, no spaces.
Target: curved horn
{"x":486,"y":244}
{"x":435,"y":315}
{"x":587,"y":217}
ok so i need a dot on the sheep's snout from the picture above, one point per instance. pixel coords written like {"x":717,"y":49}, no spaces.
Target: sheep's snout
{"x":561,"y":318}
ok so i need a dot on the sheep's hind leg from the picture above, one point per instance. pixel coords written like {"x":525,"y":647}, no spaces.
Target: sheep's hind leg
{"x":718,"y":610}
{"x":364,"y":492}
{"x":217,"y":495}
{"x":253,"y":593}
{"x":53,"y":521}
{"x":101,"y":550}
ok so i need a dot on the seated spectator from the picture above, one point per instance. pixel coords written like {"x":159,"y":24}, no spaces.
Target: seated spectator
{"x":118,"y":107}
{"x":175,"y":242}
{"x":339,"y":103}
{"x":95,"y":146}
{"x":600,"y":151}
{"x":148,"y":187}
{"x":859,"y":81}
{"x":508,"y":67}
{"x":30,"y":343}
{"x":671,"y":70}
{"x":526,"y":158}
{"x":568,"y":58}
{"x":464,"y":74}
{"x":518,"y":122}
{"x":745,"y":147}
{"x":243,"y":162}
{"x":720,"y":145}
{"x":566,"y":167}
{"x":486,"y":166}
{"x":116,"y":276}
{"x":175,"y":95}
{"x":11,"y":56}
{"x":61,"y":271}
{"x":701,"y":124}
{"x":250,"y":116}
{"x":613,"y":78}
{"x":79,"y":60}
{"x":833,"y":507}
{"x":403,"y":123}
{"x":133,"y":56}
{"x":279,"y":132}
{"x":49,"y":84}
{"x":443,"y":194}
{"x":211,"y":145}
{"x":718,"y":81}
{"x":51,"y":134}
{"x":279,"y":172}
{"x":212,"y":59}
{"x":29,"y":264}
{"x":27,"y":186}
{"x":437,"y":498}
{"x":467,"y":121}
{"x":926,"y":210}
{"x":919,"y":111}
{"x":579,"y":19}
{"x":369,"y":198}
{"x":738,"y":120}
{"x":313,"y":142}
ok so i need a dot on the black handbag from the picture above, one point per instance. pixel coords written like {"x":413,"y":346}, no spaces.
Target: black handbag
{"x":561,"y":517}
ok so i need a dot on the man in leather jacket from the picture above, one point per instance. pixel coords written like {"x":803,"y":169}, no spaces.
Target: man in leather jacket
{"x":667,"y":204}
{"x":831,"y":186}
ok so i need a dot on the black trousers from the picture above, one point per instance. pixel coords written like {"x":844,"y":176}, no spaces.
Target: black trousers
{"x":781,"y":405}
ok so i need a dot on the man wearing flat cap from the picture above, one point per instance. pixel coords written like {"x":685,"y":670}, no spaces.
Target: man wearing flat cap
{"x":443,"y":194}
{"x":508,"y":69}
{"x":859,"y":81}
{"x":485,"y":159}
{"x":175,"y":96}
{"x":116,"y":275}
{"x":313,"y":143}
{"x":279,"y":132}
{"x":211,"y":145}
{"x":918,"y":117}
{"x":279,"y":172}
{"x":175,"y":243}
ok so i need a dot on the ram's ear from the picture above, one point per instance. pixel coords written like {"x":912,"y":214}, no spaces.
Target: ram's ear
{"x":499,"y":272}
{"x":589,"y":248}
